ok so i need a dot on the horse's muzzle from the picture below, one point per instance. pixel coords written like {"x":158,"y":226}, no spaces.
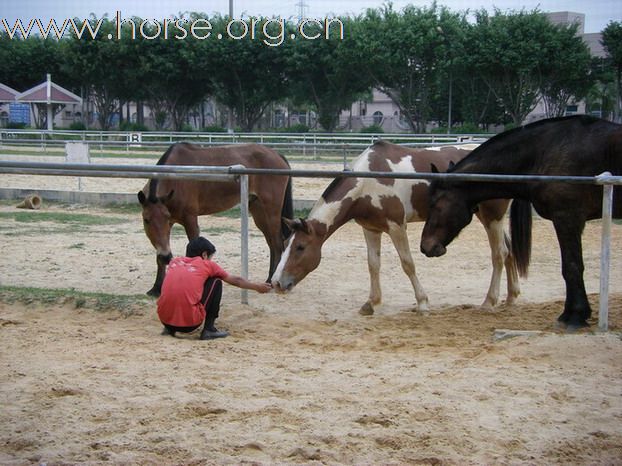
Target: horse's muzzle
{"x":433,"y":250}
{"x":283,"y":286}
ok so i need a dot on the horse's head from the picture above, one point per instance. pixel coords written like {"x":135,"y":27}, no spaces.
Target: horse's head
{"x":448,"y":214}
{"x":157,"y":223}
{"x":302,"y":255}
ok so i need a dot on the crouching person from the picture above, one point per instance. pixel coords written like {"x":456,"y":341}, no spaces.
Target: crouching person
{"x":192,"y":290}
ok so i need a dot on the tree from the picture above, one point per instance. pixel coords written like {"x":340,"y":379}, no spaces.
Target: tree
{"x":612,"y":42}
{"x":326,"y":73}
{"x":565,"y":70}
{"x":247,"y":73}
{"x":402,"y":53}
{"x":177,"y":73}
{"x":92,"y":60}
{"x":24,"y":63}
{"x":510,"y":51}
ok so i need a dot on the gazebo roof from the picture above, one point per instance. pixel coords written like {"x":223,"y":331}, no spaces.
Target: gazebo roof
{"x":48,"y":92}
{"x":7,"y":94}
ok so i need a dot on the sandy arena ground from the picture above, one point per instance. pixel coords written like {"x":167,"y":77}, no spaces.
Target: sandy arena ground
{"x":303,"y":379}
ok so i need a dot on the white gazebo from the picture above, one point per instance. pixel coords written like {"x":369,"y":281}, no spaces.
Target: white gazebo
{"x":50,"y":94}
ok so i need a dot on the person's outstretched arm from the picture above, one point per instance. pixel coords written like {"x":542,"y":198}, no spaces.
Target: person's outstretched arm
{"x":260,"y":287}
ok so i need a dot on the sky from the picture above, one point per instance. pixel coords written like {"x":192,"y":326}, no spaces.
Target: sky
{"x":598,"y":13}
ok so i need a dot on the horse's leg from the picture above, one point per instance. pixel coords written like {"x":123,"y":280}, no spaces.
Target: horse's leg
{"x":498,"y":253}
{"x":191,"y":225}
{"x":400,"y":241}
{"x":577,"y":308}
{"x":269,"y":223}
{"x":163,"y":257}
{"x":373,"y":240}
{"x":161,"y":262}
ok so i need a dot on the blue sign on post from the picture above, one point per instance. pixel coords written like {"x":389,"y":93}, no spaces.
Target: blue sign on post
{"x":19,"y":113}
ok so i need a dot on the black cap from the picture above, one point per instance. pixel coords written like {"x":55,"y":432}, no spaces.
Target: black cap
{"x":198,"y":246}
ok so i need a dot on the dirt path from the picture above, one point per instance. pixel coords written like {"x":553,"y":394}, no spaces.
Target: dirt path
{"x":303,"y":379}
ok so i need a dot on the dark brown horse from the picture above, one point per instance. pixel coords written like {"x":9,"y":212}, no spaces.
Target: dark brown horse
{"x":569,"y":146}
{"x":168,"y":201}
{"x":384,"y":205}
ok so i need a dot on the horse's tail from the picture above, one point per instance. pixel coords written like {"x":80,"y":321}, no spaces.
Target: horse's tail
{"x":287,"y":210}
{"x":520,"y":227}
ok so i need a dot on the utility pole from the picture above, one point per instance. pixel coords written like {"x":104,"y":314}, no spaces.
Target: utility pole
{"x":302,"y":7}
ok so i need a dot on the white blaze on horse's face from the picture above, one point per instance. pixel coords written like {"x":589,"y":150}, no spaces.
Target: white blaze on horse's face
{"x":301,"y":256}
{"x":280,"y":282}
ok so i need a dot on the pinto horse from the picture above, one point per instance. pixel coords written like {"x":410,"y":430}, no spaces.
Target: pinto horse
{"x":384,"y":205}
{"x":567,"y":146}
{"x":169,"y":201}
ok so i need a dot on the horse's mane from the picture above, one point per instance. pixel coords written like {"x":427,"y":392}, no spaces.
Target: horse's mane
{"x":508,"y":135}
{"x":331,"y":187}
{"x":153,"y":183}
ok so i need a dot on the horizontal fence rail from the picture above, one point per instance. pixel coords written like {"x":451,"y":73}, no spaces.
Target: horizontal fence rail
{"x":194,"y":172}
{"x":314,"y":145}
{"x":220,"y":173}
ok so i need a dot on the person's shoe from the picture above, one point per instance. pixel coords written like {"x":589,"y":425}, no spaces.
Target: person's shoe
{"x":166,"y":331}
{"x":213,"y":332}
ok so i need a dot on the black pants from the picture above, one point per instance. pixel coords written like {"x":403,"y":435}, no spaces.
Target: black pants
{"x":212,"y":294}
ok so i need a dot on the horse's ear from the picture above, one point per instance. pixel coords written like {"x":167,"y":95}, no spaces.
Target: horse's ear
{"x":452,"y":165}
{"x":289,"y":223}
{"x":142,"y":198}
{"x":297,"y":224}
{"x":303,"y":226}
{"x":433,"y":168}
{"x":168,"y":197}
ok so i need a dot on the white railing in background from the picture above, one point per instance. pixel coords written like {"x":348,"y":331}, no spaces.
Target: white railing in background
{"x":312,"y":145}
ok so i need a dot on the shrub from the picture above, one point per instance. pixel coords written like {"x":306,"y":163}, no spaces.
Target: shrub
{"x":214,"y":129}
{"x":372,"y":129}
{"x":77,"y":126}
{"x":130,"y":126}
{"x":15,"y":125}
{"x":297,"y":128}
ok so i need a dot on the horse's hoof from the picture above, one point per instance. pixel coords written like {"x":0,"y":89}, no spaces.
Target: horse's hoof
{"x":571,"y":327}
{"x":422,"y":307}
{"x":511,"y":301}
{"x":366,"y":309}
{"x":487,"y":306}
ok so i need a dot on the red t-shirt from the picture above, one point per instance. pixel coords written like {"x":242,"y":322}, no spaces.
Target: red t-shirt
{"x":180,"y":299}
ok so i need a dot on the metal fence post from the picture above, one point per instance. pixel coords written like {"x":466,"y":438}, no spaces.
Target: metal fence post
{"x":605,"y":256}
{"x":244,"y":233}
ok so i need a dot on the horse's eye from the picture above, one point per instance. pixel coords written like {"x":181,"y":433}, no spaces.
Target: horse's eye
{"x":145,"y":221}
{"x":300,"y":247}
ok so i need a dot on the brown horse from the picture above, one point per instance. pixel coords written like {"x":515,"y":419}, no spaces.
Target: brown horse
{"x":169,"y":201}
{"x":383,"y":205}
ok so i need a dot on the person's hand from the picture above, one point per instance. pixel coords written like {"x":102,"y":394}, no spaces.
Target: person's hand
{"x":263,"y":287}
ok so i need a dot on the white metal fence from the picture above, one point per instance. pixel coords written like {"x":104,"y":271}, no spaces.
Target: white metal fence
{"x":308,"y":145}
{"x":225,"y":173}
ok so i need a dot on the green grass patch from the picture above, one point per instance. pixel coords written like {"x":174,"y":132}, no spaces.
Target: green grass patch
{"x":61,"y":217}
{"x":235,"y":213}
{"x":102,"y":302}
